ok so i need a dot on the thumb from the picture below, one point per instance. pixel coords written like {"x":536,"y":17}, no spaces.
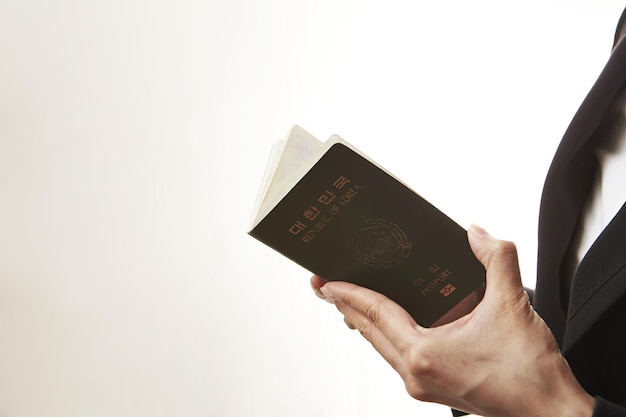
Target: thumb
{"x":499,"y":258}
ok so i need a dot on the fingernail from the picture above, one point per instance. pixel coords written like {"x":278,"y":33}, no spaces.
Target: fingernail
{"x":478,"y":231}
{"x":330,"y":297}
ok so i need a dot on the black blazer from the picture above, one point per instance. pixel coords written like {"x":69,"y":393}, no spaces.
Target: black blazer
{"x":590,"y":325}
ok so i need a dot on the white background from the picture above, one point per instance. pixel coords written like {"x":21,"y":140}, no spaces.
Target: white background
{"x":133,"y":137}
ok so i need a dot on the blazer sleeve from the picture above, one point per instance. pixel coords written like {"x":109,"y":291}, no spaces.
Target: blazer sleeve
{"x":604,"y":408}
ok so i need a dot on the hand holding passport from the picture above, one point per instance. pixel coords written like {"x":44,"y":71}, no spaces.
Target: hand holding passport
{"x":408,"y":278}
{"x":499,"y":360}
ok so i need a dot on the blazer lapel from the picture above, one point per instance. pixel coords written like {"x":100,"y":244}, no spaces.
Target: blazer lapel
{"x":599,"y":282}
{"x":567,"y":184}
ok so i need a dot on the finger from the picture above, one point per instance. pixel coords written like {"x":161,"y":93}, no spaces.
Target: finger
{"x":500,"y":260}
{"x":316,"y":283}
{"x":391,"y":319}
{"x":355,"y":320}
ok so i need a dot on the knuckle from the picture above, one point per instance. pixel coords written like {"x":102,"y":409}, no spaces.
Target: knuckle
{"x":505,"y":248}
{"x":365,"y":327}
{"x":349,"y":324}
{"x":419,"y":362}
{"x":373,"y":312}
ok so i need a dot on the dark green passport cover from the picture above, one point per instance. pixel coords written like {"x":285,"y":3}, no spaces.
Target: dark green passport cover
{"x":349,"y":220}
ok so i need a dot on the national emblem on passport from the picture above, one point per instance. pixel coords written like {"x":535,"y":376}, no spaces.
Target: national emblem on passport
{"x":380,"y":244}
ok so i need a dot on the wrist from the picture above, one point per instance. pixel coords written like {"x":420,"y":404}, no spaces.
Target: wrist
{"x":581,"y":405}
{"x":567,"y":398}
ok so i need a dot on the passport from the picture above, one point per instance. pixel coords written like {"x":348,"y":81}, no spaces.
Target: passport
{"x":338,"y":214}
